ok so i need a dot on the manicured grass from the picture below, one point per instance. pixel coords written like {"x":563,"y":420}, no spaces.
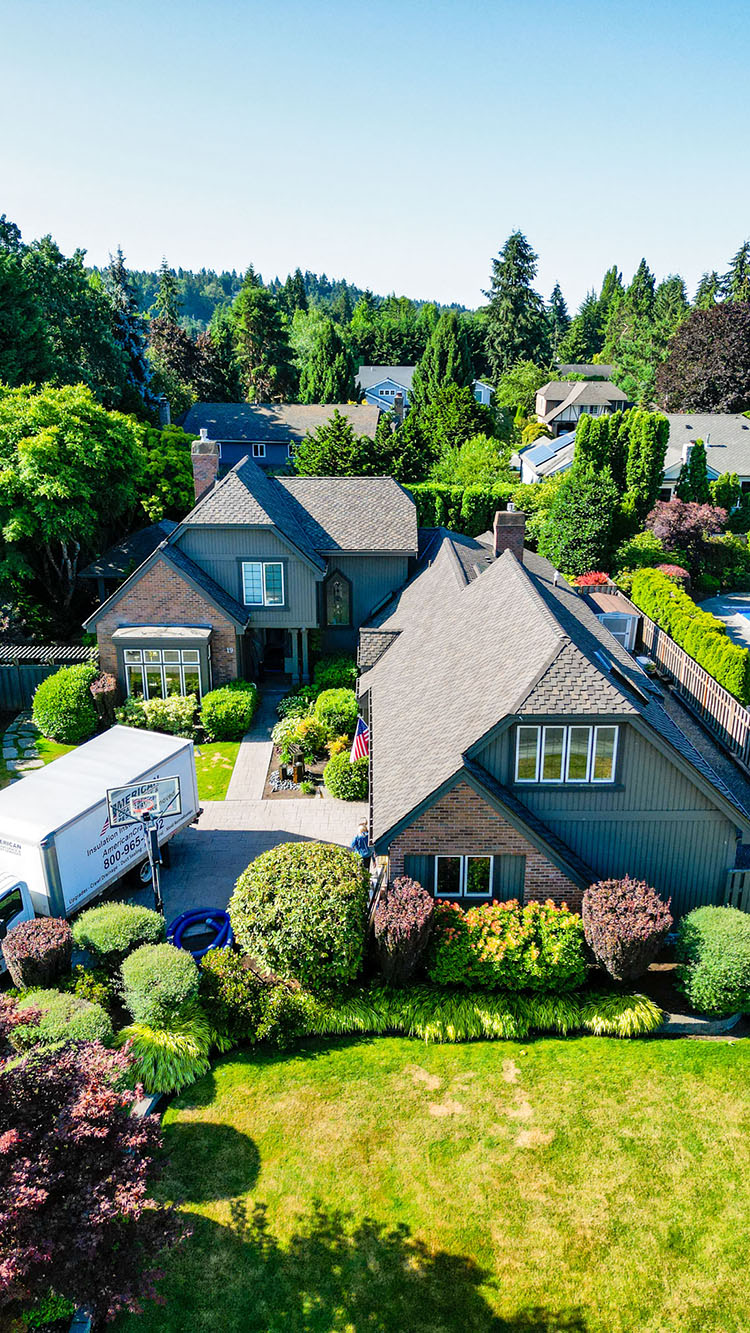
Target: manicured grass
{"x":50,"y":750}
{"x":592,"y":1185}
{"x":214,"y":764}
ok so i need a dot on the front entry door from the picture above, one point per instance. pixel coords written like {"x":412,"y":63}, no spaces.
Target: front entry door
{"x":274,"y":651}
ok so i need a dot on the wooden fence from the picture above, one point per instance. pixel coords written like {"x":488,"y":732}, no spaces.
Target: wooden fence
{"x":724,"y":715}
{"x":24,"y":665}
{"x":738,"y":890}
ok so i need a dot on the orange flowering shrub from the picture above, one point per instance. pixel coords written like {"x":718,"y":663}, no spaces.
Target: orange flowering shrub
{"x":506,"y":946}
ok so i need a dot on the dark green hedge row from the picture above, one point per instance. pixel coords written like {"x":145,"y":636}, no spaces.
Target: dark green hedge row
{"x":467,"y":509}
{"x":699,"y":633}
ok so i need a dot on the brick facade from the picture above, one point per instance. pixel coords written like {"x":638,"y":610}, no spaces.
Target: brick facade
{"x":161,"y":596}
{"x":461,"y":823}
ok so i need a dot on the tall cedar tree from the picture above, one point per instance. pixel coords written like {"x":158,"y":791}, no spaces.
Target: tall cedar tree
{"x":709,"y":291}
{"x":264,"y":356}
{"x":75,"y":1174}
{"x":25,"y":354}
{"x":516,"y":321}
{"x":559,"y":320}
{"x":453,"y":417}
{"x":446,"y":360}
{"x":328,"y":375}
{"x":128,"y":330}
{"x":708,"y":365}
{"x":167,"y":300}
{"x":579,"y":533}
{"x":293,"y":295}
{"x":692,"y":483}
{"x":737,"y":280}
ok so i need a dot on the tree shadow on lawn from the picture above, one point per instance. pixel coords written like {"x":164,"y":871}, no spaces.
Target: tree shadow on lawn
{"x":334,"y":1273}
{"x":207,"y":1161}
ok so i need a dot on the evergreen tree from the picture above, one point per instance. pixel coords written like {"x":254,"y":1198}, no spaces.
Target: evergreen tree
{"x":577,"y":535}
{"x":516,"y":322}
{"x":709,"y":291}
{"x":334,"y":450}
{"x":583,"y":339}
{"x":264,"y":356}
{"x":221,"y":333}
{"x":446,"y":361}
{"x":559,"y":320}
{"x":167,"y":300}
{"x":692,"y":483}
{"x":328,"y":375}
{"x":737,"y":280}
{"x":128,"y":331}
{"x":648,"y":435}
{"x":293,"y":295}
{"x":25,"y":354}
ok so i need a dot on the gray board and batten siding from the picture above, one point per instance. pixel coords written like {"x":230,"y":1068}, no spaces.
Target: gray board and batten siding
{"x":675,"y":835}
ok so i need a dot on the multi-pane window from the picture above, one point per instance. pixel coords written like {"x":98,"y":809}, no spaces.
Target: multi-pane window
{"x":263,"y":582}
{"x":463,"y":876}
{"x":155,"y":673}
{"x":566,"y":754}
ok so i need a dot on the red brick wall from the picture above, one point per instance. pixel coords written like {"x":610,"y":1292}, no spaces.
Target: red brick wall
{"x":460,"y":823}
{"x":163,"y":597}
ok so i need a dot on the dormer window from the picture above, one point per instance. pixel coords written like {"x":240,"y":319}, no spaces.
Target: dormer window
{"x":566,"y":755}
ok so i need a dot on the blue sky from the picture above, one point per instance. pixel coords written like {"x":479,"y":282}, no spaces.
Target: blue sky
{"x":394,"y":144}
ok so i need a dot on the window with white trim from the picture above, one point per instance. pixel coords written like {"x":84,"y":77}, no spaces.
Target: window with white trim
{"x":569,"y":754}
{"x":463,"y":877}
{"x":259,"y":451}
{"x":263,"y":582}
{"x":155,"y":673}
{"x":292,"y":448}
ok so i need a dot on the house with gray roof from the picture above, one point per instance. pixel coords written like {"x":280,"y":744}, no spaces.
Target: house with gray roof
{"x":258,"y":565}
{"x":389,"y":387}
{"x":270,"y":432}
{"x":560,"y":403}
{"x":518,"y":750}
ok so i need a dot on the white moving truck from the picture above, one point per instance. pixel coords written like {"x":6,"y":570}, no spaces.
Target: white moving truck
{"x":57,"y":847}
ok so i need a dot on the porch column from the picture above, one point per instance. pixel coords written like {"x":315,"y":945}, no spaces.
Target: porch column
{"x":305,"y":658}
{"x":294,"y":636}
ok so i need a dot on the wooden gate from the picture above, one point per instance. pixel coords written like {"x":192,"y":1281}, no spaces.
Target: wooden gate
{"x":24,"y":665}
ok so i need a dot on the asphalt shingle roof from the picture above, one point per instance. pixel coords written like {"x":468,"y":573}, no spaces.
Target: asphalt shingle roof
{"x":274,"y":423}
{"x":726,"y":436}
{"x":129,"y":553}
{"x":353,"y":513}
{"x":369,"y":376}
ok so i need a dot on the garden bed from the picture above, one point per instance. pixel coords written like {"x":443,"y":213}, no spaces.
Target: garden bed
{"x":313,"y":773}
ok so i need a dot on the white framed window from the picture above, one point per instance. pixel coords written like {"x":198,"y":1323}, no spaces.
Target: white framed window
{"x":155,"y":673}
{"x":463,"y":876}
{"x":566,"y":754}
{"x":259,"y":451}
{"x":263,"y":582}
{"x":291,"y":448}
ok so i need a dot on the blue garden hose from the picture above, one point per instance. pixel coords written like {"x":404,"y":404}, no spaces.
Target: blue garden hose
{"x":210,"y":917}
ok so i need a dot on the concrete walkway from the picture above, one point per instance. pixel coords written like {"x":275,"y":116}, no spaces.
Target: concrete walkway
{"x":249,"y":776}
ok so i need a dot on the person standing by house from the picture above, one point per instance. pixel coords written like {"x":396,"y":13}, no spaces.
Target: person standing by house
{"x":361,"y":845}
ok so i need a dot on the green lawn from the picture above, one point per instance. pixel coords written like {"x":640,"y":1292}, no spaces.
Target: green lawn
{"x":49,"y":750}
{"x":214,"y":764}
{"x":385,"y":1186}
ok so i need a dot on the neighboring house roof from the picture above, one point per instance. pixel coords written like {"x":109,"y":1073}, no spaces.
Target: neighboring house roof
{"x":726,"y":436}
{"x":584,"y":393}
{"x":129,"y":553}
{"x":590,"y":370}
{"x":274,"y":423}
{"x":479,"y":646}
{"x":189,"y":570}
{"x":369,"y":376}
{"x":353,"y":513}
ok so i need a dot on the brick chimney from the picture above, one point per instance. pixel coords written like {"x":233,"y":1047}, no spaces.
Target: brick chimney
{"x":165,"y":412}
{"x":398,"y":407}
{"x":205,"y":456}
{"x":509,"y":530}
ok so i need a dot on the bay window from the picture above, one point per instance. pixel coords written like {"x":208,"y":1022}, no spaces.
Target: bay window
{"x":155,"y":673}
{"x":570,"y":754}
{"x":263,"y":582}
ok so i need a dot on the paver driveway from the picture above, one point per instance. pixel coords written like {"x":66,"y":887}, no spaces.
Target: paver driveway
{"x":207,"y":858}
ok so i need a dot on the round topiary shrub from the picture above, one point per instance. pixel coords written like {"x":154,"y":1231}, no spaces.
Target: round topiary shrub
{"x":113,"y":930}
{"x":337,"y":710}
{"x":345,"y":780}
{"x":625,"y":923}
{"x":713,"y":952}
{"x":63,"y":708}
{"x":60,"y":1020}
{"x":158,"y":980}
{"x":226,"y":713}
{"x":300,"y":909}
{"x":38,"y":952}
{"x":403,"y":926}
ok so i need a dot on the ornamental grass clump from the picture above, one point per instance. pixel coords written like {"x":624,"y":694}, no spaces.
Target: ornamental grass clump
{"x":713,"y":952}
{"x":38,"y":952}
{"x":170,"y":1056}
{"x":625,"y":923}
{"x":539,"y":947}
{"x":403,"y":926}
{"x":300,"y":910}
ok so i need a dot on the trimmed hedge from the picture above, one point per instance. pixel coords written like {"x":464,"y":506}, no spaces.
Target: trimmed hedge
{"x":505,"y":946}
{"x":38,"y":952}
{"x":63,"y":1019}
{"x":713,"y":950}
{"x":345,"y":780}
{"x":703,"y":636}
{"x":63,"y":708}
{"x":226,"y":713}
{"x":300,"y":909}
{"x":113,"y":930}
{"x":337,"y":711}
{"x":335,"y":673}
{"x":158,"y":980}
{"x":468,"y":509}
{"x":626,"y":923}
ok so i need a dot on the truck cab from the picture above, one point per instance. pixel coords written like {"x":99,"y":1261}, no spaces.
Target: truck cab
{"x":15,"y":906}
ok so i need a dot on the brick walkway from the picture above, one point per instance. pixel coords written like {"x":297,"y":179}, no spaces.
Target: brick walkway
{"x":249,"y":776}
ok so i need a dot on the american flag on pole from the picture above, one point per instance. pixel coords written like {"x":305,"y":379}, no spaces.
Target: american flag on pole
{"x":361,"y":743}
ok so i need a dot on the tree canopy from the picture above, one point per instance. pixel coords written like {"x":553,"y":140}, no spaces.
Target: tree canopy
{"x":516,"y":324}
{"x":707,"y":368}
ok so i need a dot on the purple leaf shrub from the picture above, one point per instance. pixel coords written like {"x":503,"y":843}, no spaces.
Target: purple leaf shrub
{"x":403,"y":926}
{"x":625,"y":922}
{"x":38,"y":952}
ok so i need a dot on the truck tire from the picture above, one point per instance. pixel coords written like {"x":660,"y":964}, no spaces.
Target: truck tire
{"x":144,"y":872}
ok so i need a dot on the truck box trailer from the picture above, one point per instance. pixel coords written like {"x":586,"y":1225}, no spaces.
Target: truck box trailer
{"x":58,"y":850}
